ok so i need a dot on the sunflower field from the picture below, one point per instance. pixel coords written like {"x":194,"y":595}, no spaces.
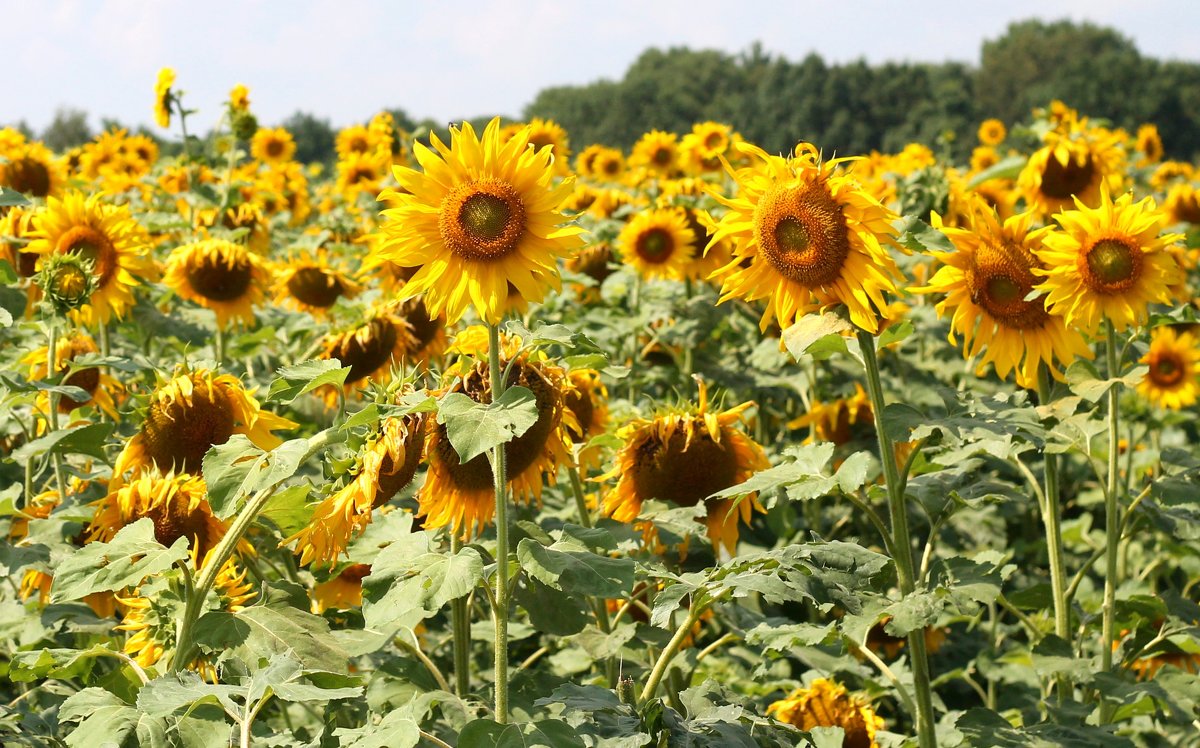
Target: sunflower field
{"x":483,"y":438}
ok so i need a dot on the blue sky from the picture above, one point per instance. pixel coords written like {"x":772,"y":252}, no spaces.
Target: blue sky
{"x":346,"y":59}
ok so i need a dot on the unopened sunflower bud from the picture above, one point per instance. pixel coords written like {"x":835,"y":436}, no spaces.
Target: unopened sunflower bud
{"x":627,"y":691}
{"x":68,"y":282}
{"x":244,"y":125}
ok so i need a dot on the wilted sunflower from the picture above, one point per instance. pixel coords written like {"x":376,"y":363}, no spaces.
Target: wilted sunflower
{"x":371,"y":348}
{"x":658,"y":243}
{"x":1074,"y":162}
{"x":684,"y":458}
{"x":190,"y":413}
{"x":1171,"y":379}
{"x":587,"y":399}
{"x":992,"y":132}
{"x":387,"y":463}
{"x":812,"y":239}
{"x":481,"y":216}
{"x":309,"y":284}
{"x":834,"y":421}
{"x":657,"y":152}
{"x":219,"y":275}
{"x":1108,"y":262}
{"x":827,"y":704}
{"x":342,"y":591}
{"x":32,"y":170}
{"x":988,"y":281}
{"x":109,"y":237}
{"x":273,"y":146}
{"x":96,"y":382}
{"x":162,"y":97}
{"x":462,"y":496}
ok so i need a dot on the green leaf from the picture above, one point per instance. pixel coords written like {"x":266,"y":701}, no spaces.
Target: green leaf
{"x":125,"y":561}
{"x":542,"y":335}
{"x":811,"y":328}
{"x":238,"y":468}
{"x":1084,"y":380}
{"x":1006,"y":168}
{"x":8,"y":275}
{"x":918,"y":236}
{"x":551,"y":611}
{"x":782,"y":640}
{"x":551,"y":733}
{"x":396,"y":730}
{"x":11,"y":198}
{"x":288,"y":509}
{"x":402,"y":589}
{"x":39,"y":664}
{"x":474,"y":428}
{"x":88,"y":440}
{"x":105,"y":720}
{"x":576,"y":571}
{"x":802,"y":477}
{"x":894,"y":333}
{"x":184,"y":691}
{"x":293,"y":381}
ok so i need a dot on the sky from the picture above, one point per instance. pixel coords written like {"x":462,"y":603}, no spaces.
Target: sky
{"x":346,"y":59}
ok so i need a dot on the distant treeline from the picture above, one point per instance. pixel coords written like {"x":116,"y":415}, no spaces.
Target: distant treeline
{"x":845,"y":109}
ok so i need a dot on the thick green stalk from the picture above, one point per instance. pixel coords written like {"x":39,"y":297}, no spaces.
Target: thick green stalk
{"x":461,"y":623}
{"x":668,"y":654}
{"x":1112,"y":534}
{"x":500,"y":481}
{"x":1052,"y":519}
{"x":219,"y":345}
{"x":600,"y":606}
{"x":901,"y":543}
{"x":52,"y":372}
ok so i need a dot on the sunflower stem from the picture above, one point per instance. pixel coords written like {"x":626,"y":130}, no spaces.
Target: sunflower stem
{"x":1052,"y":519}
{"x":669,"y":652}
{"x":219,"y":345}
{"x":500,"y":481}
{"x":1112,"y":534}
{"x":460,"y":622}
{"x":901,"y":543}
{"x":52,"y":418}
{"x":600,"y":606}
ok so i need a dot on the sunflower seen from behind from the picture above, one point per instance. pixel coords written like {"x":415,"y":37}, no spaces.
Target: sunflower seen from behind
{"x":1108,"y":262}
{"x":805,"y":236}
{"x":988,"y":281}
{"x":683,"y":458}
{"x":220,"y":275}
{"x":163,"y":96}
{"x":481,"y":216}
{"x":106,"y":235}
{"x":1172,"y":366}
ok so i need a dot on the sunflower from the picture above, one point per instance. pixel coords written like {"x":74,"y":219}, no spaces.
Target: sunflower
{"x":657,"y":152}
{"x":1149,"y":144}
{"x":827,"y":704}
{"x":16,"y":227}
{"x":427,"y":339}
{"x":1171,"y":172}
{"x":371,"y":348}
{"x":707,"y":261}
{"x":190,"y":413}
{"x":587,"y":399}
{"x":1182,"y":205}
{"x":359,"y":173}
{"x":834,"y":421}
{"x":658,"y":243}
{"x":309,"y":284}
{"x":107,"y":235}
{"x":341,"y":592}
{"x":988,"y":281}
{"x":707,"y":141}
{"x":592,"y":261}
{"x":163,"y":96}
{"x":358,"y":139}
{"x":32,"y":170}
{"x":585,"y":160}
{"x":684,"y":458}
{"x":984,"y":157}
{"x":387,"y":463}
{"x":547,"y":132}
{"x":462,"y":495}
{"x":219,"y":275}
{"x":1171,"y":379}
{"x":812,"y":238}
{"x":881,"y":642}
{"x":239,"y":98}
{"x":273,"y":146}
{"x":1074,"y":163}
{"x":94,"y":380}
{"x":1108,"y":262}
{"x":481,"y":216}
{"x":607,"y":165}
{"x":992,"y":132}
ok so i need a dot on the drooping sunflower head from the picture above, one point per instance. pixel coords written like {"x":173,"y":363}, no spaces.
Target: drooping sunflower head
{"x":658,"y":243}
{"x":187,"y":415}
{"x":385,"y":464}
{"x":827,"y":704}
{"x":481,"y":216}
{"x":107,"y":236}
{"x":992,"y":132}
{"x":310,"y":284}
{"x":989,"y":283}
{"x":587,"y":400}
{"x":372,"y":347}
{"x":683,"y":458}
{"x":163,"y":96}
{"x":273,"y":146}
{"x":219,"y":275}
{"x":657,"y":152}
{"x":806,"y":237}
{"x":1072,"y":164}
{"x":459,"y":494}
{"x":32,"y":170}
{"x":100,"y":386}
{"x":1108,"y":262}
{"x":1172,"y":378}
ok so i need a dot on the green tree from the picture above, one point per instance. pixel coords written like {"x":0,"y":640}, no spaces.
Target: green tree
{"x":314,"y":137}
{"x":68,"y":129}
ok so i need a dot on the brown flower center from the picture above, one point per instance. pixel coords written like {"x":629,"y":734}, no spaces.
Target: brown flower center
{"x":1112,"y":266}
{"x":176,"y":518}
{"x":802,"y":232}
{"x":90,"y":244}
{"x":220,"y":277}
{"x":1000,"y":278}
{"x":28,"y":176}
{"x":178,"y":433}
{"x":1167,"y":369}
{"x":315,"y":287}
{"x":366,"y":349}
{"x":482,"y":220}
{"x":681,"y":473}
{"x":274,"y":148}
{"x":655,"y":245}
{"x":1061,"y":181}
{"x":393,"y":477}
